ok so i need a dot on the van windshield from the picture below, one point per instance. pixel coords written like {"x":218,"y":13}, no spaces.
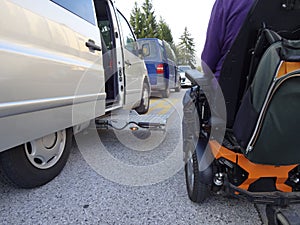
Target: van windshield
{"x":155,"y":51}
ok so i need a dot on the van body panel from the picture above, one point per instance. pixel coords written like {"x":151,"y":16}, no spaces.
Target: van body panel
{"x":47,"y":72}
{"x":161,"y":55}
{"x":51,"y":79}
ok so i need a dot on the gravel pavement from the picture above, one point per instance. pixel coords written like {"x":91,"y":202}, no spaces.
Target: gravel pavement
{"x":81,"y":196}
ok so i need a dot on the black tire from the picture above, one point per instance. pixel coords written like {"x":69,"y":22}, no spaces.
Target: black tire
{"x":145,"y":101}
{"x":166,"y":93}
{"x":282,"y":220}
{"x":17,"y":169}
{"x":276,"y":217}
{"x":178,"y":88}
{"x":197,"y":190}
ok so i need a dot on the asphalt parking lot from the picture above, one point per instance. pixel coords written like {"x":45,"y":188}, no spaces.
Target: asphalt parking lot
{"x":138,"y":180}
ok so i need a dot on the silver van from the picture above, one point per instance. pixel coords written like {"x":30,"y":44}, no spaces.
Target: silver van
{"x":63,"y":63}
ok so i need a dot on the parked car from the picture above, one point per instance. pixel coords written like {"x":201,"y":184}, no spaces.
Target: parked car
{"x":61,"y":68}
{"x":161,"y":65}
{"x":185,"y":82}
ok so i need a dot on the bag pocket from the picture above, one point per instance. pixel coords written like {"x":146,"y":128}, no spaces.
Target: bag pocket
{"x":245,"y":121}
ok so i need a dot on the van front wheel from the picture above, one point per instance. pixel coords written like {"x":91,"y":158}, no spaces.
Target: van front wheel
{"x":145,"y":101}
{"x":37,"y":162}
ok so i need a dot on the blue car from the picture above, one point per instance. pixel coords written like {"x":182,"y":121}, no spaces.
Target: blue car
{"x":161,"y":64}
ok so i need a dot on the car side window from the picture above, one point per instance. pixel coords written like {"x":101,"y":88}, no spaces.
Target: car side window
{"x":162,"y":50}
{"x":170,"y":52}
{"x":128,"y":36}
{"x":82,"y":8}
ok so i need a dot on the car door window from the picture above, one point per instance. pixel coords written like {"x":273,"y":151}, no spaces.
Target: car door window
{"x":128,"y":36}
{"x":82,"y":8}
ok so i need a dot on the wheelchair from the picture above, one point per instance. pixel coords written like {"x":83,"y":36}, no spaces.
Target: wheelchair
{"x":246,"y":143}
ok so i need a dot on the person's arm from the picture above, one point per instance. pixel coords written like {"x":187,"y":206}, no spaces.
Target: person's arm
{"x":215,"y":35}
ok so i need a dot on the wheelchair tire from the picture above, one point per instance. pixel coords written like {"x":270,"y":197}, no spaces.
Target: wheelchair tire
{"x":197,"y":190}
{"x":281,"y":216}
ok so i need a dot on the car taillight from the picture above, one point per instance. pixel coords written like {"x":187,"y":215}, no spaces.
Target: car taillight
{"x":160,"y":69}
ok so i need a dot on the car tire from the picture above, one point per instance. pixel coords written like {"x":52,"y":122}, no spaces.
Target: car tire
{"x":37,"y":162}
{"x":197,"y":190}
{"x":166,"y":93}
{"x":145,"y":101}
{"x":178,"y":88}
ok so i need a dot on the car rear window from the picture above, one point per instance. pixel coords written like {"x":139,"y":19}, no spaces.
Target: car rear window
{"x":155,"y":53}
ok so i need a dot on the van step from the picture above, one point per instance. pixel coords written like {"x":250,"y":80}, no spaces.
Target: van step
{"x":132,"y":120}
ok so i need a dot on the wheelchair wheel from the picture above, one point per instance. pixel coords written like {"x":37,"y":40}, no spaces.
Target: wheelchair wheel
{"x":198,"y":191}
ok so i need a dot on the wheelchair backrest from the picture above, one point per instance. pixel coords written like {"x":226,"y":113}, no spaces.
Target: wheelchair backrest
{"x":265,"y":97}
{"x":267,"y":122}
{"x":281,"y":16}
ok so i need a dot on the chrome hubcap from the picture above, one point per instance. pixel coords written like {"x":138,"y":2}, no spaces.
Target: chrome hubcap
{"x":45,"y":152}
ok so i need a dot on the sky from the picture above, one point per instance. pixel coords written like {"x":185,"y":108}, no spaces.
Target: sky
{"x":178,"y":14}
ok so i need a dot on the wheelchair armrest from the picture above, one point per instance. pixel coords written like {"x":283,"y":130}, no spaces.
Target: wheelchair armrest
{"x":198,"y":78}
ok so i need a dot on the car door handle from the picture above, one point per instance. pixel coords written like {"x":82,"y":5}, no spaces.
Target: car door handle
{"x":92,"y":46}
{"x":128,"y":63}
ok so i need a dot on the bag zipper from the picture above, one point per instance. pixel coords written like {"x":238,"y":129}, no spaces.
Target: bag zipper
{"x":277,"y":82}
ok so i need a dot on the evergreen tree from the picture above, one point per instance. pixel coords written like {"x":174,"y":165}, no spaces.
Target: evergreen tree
{"x":186,"y":49}
{"x":164,"y":32}
{"x":149,"y":20}
{"x":136,"y":20}
{"x":143,"y":20}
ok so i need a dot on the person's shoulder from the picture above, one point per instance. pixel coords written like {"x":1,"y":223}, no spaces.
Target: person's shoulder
{"x":231,"y":4}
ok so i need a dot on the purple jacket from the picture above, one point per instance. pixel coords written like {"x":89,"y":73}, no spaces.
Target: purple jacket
{"x":226,"y":20}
